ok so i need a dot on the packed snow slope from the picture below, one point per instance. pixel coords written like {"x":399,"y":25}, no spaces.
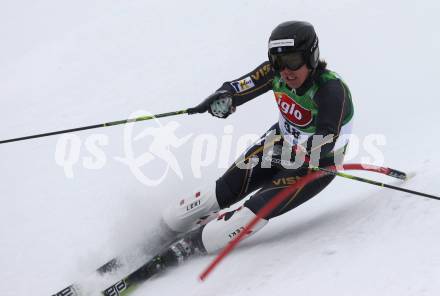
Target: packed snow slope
{"x":72,"y":63}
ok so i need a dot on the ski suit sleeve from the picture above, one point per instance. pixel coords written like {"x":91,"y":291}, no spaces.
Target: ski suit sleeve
{"x":331,"y":99}
{"x":251,"y":85}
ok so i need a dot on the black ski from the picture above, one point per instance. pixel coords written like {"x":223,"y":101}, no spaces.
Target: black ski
{"x":69,"y":291}
{"x":174,"y":252}
{"x":73,"y":289}
{"x":116,"y":264}
{"x":173,"y":255}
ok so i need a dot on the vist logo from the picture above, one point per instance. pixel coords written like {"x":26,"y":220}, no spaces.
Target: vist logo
{"x":292,"y":111}
{"x":285,"y":181}
{"x":263,"y":71}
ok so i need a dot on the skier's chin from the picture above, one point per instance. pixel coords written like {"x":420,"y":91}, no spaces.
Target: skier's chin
{"x":294,"y":84}
{"x":294,"y":78}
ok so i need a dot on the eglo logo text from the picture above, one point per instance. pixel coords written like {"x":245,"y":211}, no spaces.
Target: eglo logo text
{"x":154,"y":151}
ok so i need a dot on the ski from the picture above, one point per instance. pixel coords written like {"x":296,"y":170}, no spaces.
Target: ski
{"x":171,"y":256}
{"x":74,"y":290}
{"x":129,"y":282}
{"x":120,"y":262}
{"x":174,"y":252}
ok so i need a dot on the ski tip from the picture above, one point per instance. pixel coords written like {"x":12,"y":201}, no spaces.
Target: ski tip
{"x":71,"y":290}
{"x":410,"y":175}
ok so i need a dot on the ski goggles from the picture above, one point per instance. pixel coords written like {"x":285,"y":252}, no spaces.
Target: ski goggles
{"x":290,"y":60}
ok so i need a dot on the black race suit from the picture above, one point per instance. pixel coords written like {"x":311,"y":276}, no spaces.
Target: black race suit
{"x":334,"y":102}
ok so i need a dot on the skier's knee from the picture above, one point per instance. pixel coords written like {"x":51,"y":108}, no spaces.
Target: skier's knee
{"x":185,"y":213}
{"x":218,"y":233}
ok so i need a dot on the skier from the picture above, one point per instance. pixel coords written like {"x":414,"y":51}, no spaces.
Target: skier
{"x":316,"y":112}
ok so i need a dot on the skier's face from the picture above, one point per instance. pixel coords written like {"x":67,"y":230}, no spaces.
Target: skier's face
{"x":295,"y":78}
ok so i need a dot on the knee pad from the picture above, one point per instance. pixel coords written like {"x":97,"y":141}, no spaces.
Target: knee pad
{"x":186,"y":213}
{"x":218,"y":233}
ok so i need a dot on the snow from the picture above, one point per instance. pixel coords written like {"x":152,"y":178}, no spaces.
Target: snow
{"x":73,"y":64}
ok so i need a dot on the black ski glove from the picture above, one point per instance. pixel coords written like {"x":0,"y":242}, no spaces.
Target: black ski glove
{"x":219,"y":104}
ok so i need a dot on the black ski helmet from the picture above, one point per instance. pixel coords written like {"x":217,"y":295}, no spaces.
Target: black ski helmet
{"x":295,"y":36}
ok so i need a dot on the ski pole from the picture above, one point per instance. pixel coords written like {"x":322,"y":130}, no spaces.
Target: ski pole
{"x":112,"y":123}
{"x":372,"y":182}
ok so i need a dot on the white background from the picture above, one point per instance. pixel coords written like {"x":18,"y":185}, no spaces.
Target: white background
{"x":72,"y":63}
